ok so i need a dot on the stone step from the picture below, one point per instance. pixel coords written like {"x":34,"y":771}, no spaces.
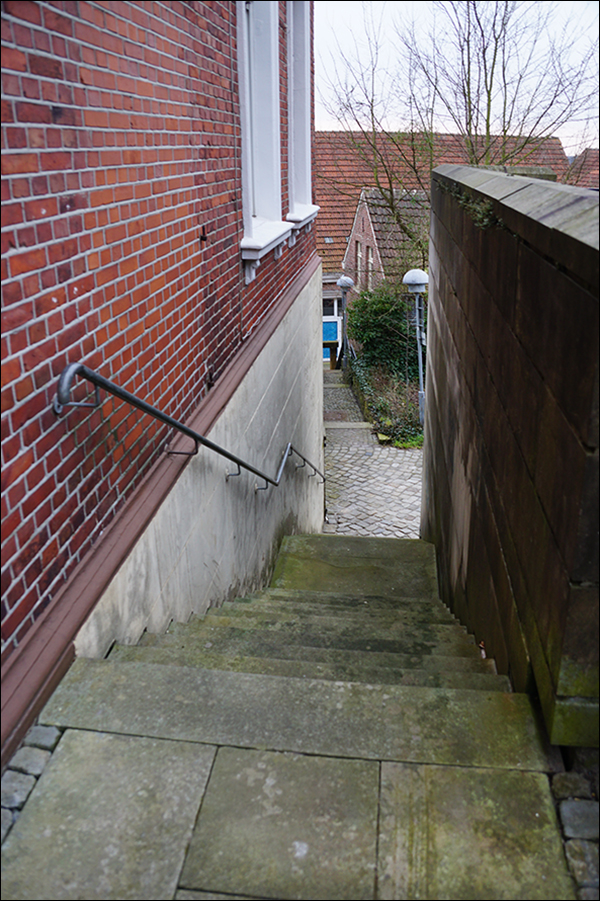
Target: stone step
{"x":379,"y":624}
{"x":419,"y":609}
{"x":247,"y":646}
{"x":361,"y":670}
{"x":389,"y":567}
{"x":218,"y":633}
{"x":336,"y":719}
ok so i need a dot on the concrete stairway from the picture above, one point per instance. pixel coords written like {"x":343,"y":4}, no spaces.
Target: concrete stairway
{"x":365,"y":623}
{"x":336,"y":736}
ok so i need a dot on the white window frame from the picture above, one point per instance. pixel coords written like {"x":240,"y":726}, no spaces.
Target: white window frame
{"x":302,"y":209}
{"x":258,"y":42}
{"x":337,"y":318}
{"x":358,"y":263}
{"x":369,"y":268}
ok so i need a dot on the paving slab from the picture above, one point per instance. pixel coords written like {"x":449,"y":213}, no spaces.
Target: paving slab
{"x":110,"y":818}
{"x":583,"y":861}
{"x":338,"y":719}
{"x":579,"y":818}
{"x":286,"y":826}
{"x":447,"y":832}
{"x":16,"y":788}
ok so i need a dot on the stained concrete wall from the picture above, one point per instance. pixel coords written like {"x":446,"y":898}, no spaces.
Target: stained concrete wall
{"x":510,"y":493}
{"x":213,"y":538}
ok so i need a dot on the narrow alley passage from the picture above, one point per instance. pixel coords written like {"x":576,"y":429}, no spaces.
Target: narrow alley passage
{"x":371,"y":490}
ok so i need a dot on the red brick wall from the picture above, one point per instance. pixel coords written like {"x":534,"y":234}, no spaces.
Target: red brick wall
{"x":121,"y":148}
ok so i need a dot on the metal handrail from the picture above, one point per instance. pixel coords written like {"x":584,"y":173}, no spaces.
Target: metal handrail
{"x":63,"y":399}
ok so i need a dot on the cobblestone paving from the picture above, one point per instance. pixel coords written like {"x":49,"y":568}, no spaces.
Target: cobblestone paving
{"x":371,"y":490}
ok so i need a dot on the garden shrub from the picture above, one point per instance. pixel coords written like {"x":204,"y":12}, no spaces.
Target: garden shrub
{"x":386,"y":372}
{"x":382,"y":321}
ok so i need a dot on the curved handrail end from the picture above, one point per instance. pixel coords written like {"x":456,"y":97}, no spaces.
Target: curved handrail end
{"x":65,"y":383}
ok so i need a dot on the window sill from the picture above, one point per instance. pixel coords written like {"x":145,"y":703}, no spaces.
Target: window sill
{"x":302,"y":214}
{"x":266,"y":235}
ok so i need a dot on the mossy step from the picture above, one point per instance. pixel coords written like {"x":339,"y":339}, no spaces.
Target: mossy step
{"x":383,"y":626}
{"x":255,"y":640}
{"x":389,"y":567}
{"x":305,"y":716}
{"x":342,"y":598}
{"x":247,"y":646}
{"x":350,"y":671}
{"x":417,"y":609}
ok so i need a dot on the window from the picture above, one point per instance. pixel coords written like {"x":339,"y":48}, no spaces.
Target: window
{"x":358,"y":263}
{"x":369,"y":268}
{"x":264,"y":229}
{"x":258,"y":30}
{"x":302,"y":210}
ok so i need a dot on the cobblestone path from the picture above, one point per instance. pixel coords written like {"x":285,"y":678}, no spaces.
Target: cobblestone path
{"x":371,"y":490}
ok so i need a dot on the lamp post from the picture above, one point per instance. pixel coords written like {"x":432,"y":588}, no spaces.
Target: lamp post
{"x":416,"y":281}
{"x":345,"y":283}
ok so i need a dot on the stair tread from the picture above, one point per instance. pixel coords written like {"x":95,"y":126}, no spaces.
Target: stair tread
{"x":247,"y":647}
{"x":207,"y":635}
{"x":367,"y":610}
{"x":344,"y":598}
{"x":387,"y":566}
{"x":352,"y":671}
{"x":284,"y":620}
{"x":413,"y":724}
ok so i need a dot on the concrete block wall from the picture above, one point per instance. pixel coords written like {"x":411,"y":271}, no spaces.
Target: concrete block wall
{"x":511,"y":449}
{"x":122,"y":222}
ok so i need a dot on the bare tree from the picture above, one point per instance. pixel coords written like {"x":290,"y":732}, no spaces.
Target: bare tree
{"x":495,"y":74}
{"x":399,"y":161}
{"x":501,"y":76}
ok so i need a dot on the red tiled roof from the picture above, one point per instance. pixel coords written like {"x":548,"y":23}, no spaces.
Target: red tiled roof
{"x":342,"y":166}
{"x":414,"y":209}
{"x":583,"y":170}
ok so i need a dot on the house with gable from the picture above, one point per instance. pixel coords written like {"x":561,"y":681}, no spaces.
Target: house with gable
{"x":347,"y":164}
{"x":585,"y":168}
{"x":158,"y":233}
{"x":378,"y":246}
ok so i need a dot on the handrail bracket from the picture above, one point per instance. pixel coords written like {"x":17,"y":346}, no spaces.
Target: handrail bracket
{"x":174,"y":453}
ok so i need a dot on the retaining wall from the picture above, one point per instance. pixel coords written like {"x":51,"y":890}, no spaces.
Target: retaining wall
{"x":511,"y":448}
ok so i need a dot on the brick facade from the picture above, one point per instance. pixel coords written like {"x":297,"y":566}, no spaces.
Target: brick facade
{"x":121,"y":229}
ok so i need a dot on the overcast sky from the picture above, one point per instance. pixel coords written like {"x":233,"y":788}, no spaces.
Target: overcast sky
{"x":341,"y":23}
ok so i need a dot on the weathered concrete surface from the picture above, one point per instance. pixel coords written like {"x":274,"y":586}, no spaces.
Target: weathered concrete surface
{"x":360,"y":668}
{"x":510,"y":494}
{"x":286,"y":826}
{"x":358,"y":565}
{"x":450,"y":726}
{"x":212,"y":539}
{"x":109,"y":819}
{"x":443,"y":835}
